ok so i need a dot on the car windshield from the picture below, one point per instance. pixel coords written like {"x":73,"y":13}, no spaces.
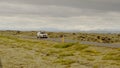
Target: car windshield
{"x":42,"y":32}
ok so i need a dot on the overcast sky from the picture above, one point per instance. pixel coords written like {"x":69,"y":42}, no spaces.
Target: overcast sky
{"x":60,"y":15}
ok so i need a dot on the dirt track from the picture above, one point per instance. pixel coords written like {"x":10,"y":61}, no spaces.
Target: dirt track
{"x":113,"y":45}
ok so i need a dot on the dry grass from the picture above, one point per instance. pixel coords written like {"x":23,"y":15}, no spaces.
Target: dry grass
{"x":94,"y":37}
{"x":19,"y":52}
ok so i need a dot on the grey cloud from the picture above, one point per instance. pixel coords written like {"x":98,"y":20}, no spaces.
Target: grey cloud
{"x":105,"y":5}
{"x":60,"y":14}
{"x":42,"y":10}
{"x":61,"y":8}
{"x":70,"y":23}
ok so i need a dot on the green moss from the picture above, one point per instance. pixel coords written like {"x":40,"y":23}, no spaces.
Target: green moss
{"x":64,"y":61}
{"x":90,"y":59}
{"x":64,"y":45}
{"x":80,"y":47}
{"x":91,"y":52}
{"x":65,"y":54}
{"x":96,"y":66}
{"x":112,"y":56}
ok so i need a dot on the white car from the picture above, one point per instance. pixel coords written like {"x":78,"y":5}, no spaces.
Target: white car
{"x":42,"y":35}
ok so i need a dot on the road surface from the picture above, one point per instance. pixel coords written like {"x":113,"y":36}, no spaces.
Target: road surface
{"x":113,"y":45}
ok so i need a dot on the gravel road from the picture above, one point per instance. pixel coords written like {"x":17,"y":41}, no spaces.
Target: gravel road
{"x":113,"y":45}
